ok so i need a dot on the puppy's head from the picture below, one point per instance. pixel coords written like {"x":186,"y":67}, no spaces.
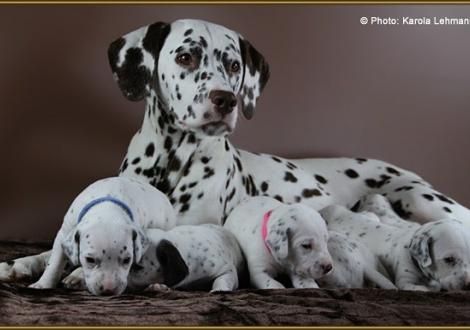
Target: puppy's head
{"x":297,"y":238}
{"x":105,"y":247}
{"x":441,"y":250}
{"x":202,"y":73}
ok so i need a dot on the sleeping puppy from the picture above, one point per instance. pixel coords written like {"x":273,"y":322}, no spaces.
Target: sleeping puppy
{"x":103,"y":232}
{"x":277,"y":239}
{"x":354,"y":266}
{"x":189,"y":255}
{"x":431,"y":257}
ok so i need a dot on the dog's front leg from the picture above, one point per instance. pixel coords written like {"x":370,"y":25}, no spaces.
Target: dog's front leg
{"x":54,"y":268}
{"x":263,"y":280}
{"x":76,"y":280}
{"x":226,"y":282}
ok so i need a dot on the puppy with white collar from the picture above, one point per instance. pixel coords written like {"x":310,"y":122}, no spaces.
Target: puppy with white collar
{"x":277,"y":238}
{"x":432,"y":257}
{"x":103,"y":232}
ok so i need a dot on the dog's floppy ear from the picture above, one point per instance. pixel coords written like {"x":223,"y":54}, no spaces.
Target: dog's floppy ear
{"x":255,"y":77}
{"x":134,"y":59}
{"x":278,"y":241}
{"x":174,"y":268}
{"x":420,"y":247}
{"x":71,"y":246}
{"x":141,"y":244}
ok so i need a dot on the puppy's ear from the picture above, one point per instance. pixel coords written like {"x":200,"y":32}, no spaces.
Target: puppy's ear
{"x":173,"y":266}
{"x":71,"y":246}
{"x":134,"y":59}
{"x":278,"y":241}
{"x":141,"y":244}
{"x":420,"y":247}
{"x":255,"y":77}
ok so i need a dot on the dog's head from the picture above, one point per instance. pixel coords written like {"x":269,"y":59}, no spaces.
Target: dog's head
{"x":201,"y":73}
{"x":297,"y":238}
{"x":441,"y":251}
{"x":105,"y":245}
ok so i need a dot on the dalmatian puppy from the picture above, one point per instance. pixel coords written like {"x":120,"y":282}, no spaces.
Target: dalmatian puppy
{"x":354,"y":266}
{"x":277,"y":238}
{"x":432,"y":257}
{"x":196,"y":77}
{"x":188,"y":255}
{"x":182,"y":257}
{"x":103,"y":232}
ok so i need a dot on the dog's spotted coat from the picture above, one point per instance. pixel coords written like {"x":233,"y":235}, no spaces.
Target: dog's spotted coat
{"x":181,"y":70}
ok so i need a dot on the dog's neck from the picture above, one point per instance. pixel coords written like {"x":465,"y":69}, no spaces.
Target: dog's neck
{"x":173,"y":147}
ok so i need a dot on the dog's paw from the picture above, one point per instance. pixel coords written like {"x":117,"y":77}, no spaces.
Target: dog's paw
{"x":11,"y":271}
{"x":38,"y":285}
{"x":74,"y":282}
{"x":157,"y":287}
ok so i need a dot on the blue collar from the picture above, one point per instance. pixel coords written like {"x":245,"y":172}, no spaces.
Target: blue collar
{"x":94,"y":202}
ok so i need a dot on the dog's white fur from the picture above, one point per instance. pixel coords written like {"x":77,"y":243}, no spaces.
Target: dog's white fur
{"x":415,"y":259}
{"x":106,"y":241}
{"x":354,"y":266}
{"x":290,"y":228}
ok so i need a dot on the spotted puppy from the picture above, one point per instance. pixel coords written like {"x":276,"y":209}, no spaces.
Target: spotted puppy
{"x":277,"y":238}
{"x":354,"y":266}
{"x":189,"y":255}
{"x":431,"y":258}
{"x":103,"y":232}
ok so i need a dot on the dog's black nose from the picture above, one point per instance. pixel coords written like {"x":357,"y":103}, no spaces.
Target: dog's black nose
{"x":224,"y":101}
{"x":326,"y":268}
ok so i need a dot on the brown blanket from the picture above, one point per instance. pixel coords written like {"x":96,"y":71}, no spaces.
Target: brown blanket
{"x":22,"y":306}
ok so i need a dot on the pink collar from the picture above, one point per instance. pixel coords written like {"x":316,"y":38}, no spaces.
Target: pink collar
{"x":264,"y":228}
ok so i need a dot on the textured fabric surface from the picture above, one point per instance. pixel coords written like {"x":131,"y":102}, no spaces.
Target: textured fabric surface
{"x":23,"y":306}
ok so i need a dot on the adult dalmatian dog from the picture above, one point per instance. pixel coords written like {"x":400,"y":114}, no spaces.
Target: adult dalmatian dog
{"x":195,"y":78}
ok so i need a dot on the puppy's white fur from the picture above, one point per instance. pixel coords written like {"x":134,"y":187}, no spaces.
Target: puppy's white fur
{"x":106,"y":241}
{"x":354,"y":266}
{"x":432,"y":257}
{"x":296,"y":242}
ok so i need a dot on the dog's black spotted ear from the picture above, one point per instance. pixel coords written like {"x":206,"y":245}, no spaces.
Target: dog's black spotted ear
{"x":255,"y":77}
{"x":71,"y":246}
{"x":134,"y":59}
{"x":174,"y":268}
{"x":420,"y":247}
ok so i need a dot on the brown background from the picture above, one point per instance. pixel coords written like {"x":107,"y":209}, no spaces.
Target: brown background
{"x":338,"y":88}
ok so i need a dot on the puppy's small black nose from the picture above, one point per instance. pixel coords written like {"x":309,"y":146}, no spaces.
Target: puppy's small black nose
{"x":326,"y":268}
{"x":224,"y":101}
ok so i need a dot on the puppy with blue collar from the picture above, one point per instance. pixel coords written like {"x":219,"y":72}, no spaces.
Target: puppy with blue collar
{"x":103,"y":231}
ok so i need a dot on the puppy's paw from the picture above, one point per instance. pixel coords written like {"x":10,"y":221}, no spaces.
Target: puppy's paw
{"x":74,"y":282}
{"x":38,"y":285}
{"x":157,"y":287}
{"x":11,"y":271}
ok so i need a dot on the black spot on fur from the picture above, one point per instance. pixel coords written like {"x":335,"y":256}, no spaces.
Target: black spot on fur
{"x":351,"y":173}
{"x":136,"y":160}
{"x":149,"y":150}
{"x":264,"y":186}
{"x":188,"y":32}
{"x":393,"y":171}
{"x":443,"y":198}
{"x":320,"y":179}
{"x":355,"y":207}
{"x":398,"y":208}
{"x":307,"y":193}
{"x":279,"y":198}
{"x":428,"y":197}
{"x":205,"y":160}
{"x":289,"y":177}
{"x":445,"y":208}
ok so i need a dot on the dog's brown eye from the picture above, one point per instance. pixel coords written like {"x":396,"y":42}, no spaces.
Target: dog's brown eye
{"x":126,"y":261}
{"x":235,"y":66}
{"x":184,"y":59}
{"x":307,"y":246}
{"x":90,"y":260}
{"x":449,"y":260}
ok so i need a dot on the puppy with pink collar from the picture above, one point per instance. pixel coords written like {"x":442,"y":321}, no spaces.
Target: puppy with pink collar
{"x":278,"y":239}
